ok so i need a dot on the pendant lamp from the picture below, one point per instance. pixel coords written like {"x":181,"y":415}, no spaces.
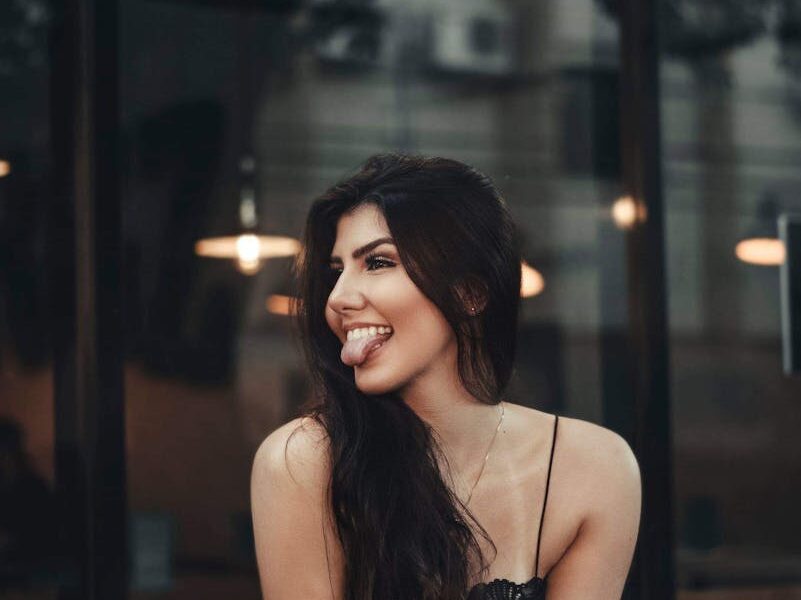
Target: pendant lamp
{"x":247,"y":248}
{"x":761,"y":245}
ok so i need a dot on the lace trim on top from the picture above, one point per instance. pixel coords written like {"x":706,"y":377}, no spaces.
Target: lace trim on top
{"x":503,"y":589}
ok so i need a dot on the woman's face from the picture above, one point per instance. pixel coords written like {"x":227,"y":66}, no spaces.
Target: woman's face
{"x":374,"y":289}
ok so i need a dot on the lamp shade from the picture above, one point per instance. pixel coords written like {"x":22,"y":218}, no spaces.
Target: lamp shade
{"x":761,"y":245}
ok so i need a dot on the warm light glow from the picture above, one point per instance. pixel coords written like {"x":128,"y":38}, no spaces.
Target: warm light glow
{"x":247,"y":254}
{"x":531,"y":282}
{"x":248,"y":246}
{"x":5,"y":168}
{"x":248,"y":266}
{"x":626,"y":212}
{"x":281,"y":305}
{"x":761,"y":251}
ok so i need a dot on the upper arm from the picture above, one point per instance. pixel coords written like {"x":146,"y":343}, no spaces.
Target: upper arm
{"x":596,"y":564}
{"x":295,"y":541}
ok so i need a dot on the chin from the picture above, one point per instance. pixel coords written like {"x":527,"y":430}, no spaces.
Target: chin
{"x":373,"y":389}
{"x":373,"y":385}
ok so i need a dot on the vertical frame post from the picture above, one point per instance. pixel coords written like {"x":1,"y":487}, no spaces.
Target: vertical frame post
{"x":648,"y":422}
{"x":84,"y":263}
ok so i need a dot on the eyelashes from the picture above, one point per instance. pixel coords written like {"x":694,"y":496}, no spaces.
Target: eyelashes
{"x":374,"y":263}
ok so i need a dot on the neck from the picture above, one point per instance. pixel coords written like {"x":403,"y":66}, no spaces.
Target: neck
{"x":463,"y":425}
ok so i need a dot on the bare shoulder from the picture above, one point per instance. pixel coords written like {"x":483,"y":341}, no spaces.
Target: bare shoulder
{"x":595,"y":445}
{"x":599,"y":463}
{"x":296,"y":451}
{"x":599,"y":495}
{"x":582,"y":447}
{"x":296,"y":548}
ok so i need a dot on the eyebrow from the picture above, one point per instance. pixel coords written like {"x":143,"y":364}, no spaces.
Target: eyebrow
{"x":359,"y":252}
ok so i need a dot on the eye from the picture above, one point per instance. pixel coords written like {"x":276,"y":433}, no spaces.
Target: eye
{"x":377,"y":262}
{"x":373,"y":261}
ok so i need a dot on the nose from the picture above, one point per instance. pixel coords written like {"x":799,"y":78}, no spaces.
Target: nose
{"x":345,"y":296}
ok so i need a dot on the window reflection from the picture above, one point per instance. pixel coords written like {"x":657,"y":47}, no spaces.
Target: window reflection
{"x":731,"y":128}
{"x":309,"y":90}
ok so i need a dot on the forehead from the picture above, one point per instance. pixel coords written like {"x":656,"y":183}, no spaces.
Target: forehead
{"x":360,"y":226}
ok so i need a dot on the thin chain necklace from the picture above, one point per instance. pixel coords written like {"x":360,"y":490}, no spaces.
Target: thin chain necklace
{"x":484,"y":464}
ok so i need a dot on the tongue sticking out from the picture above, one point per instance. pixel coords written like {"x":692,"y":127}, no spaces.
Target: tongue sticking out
{"x":354,"y":352}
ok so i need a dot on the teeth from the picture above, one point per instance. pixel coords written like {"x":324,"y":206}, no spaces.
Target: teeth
{"x":355,"y":334}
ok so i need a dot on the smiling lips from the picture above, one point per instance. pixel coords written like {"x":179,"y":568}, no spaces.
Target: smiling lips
{"x":355,"y":350}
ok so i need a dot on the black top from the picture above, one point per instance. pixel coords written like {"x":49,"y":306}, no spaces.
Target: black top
{"x":534,"y":589}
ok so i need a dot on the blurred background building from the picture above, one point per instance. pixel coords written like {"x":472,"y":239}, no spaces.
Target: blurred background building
{"x":157,"y":159}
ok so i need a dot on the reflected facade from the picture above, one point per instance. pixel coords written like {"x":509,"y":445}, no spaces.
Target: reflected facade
{"x":732,"y":130}
{"x":234,"y":116}
{"x":521,"y":91}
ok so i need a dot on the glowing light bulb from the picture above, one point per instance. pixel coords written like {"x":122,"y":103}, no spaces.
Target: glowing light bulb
{"x":531,"y":281}
{"x":248,"y":249}
{"x":624,"y":212}
{"x":761,"y":251}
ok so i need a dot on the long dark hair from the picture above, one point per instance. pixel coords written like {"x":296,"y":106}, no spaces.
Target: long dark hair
{"x":404,"y":533}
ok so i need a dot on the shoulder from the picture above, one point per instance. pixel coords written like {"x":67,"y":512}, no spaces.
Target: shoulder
{"x":581,"y":447}
{"x":596,"y":445}
{"x":601,"y":491}
{"x":588,"y":460}
{"x":296,"y":549}
{"x":599,"y":463}
{"x":295,"y":453}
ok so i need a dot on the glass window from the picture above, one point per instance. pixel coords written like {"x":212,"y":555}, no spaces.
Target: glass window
{"x":731,"y":139}
{"x":29,"y":556}
{"x":235,"y":120}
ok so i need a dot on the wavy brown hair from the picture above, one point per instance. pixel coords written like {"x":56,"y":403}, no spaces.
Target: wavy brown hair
{"x":404,"y":533}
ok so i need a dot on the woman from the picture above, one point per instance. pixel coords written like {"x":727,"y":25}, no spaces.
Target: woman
{"x":412,"y":478}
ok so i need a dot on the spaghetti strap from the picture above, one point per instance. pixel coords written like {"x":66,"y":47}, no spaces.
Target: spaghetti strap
{"x":545,"y":501}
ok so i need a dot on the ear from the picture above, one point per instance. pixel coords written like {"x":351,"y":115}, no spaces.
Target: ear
{"x":473,"y":295}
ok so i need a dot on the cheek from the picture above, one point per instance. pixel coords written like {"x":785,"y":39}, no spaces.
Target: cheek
{"x":420,"y":321}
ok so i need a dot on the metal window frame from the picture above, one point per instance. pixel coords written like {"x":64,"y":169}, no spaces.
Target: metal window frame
{"x":84,"y":263}
{"x":643,"y":416}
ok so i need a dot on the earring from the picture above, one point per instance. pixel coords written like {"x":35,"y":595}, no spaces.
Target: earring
{"x":473,"y":309}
